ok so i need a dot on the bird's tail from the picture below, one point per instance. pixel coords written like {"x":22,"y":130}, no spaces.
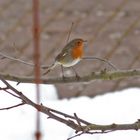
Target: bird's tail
{"x":50,"y":68}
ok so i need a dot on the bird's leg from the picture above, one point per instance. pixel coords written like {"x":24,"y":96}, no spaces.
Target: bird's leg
{"x":63,"y":76}
{"x":47,"y":72}
{"x":76,"y":74}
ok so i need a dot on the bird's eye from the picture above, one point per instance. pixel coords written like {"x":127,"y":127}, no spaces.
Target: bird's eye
{"x":79,"y":43}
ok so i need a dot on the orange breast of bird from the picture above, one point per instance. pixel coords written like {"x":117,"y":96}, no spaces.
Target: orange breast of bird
{"x":77,"y":51}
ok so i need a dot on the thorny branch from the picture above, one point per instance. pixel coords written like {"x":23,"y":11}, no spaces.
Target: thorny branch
{"x":79,"y":125}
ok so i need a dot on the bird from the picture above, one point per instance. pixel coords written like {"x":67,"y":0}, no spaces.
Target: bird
{"x":70,"y":55}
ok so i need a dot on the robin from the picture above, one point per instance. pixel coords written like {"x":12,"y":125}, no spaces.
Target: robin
{"x":70,"y":55}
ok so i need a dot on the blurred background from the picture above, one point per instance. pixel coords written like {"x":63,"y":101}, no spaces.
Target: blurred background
{"x":111,"y":27}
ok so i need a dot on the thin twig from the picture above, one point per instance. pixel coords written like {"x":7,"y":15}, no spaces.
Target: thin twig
{"x":11,"y":107}
{"x":101,"y":59}
{"x":21,"y":61}
{"x":69,"y":116}
{"x":3,"y":88}
{"x":69,"y":32}
{"x":15,"y":59}
{"x":12,"y":94}
{"x":77,"y":119}
{"x":75,"y":135}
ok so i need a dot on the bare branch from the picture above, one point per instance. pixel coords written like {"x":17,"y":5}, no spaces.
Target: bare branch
{"x":19,"y":94}
{"x":4,"y":88}
{"x":101,"y":59}
{"x":15,"y":59}
{"x":71,"y":120}
{"x":69,"y":116}
{"x":14,"y":106}
{"x":81,"y":133}
{"x":12,"y":94}
{"x":113,"y":127}
{"x":77,"y":119}
{"x":19,"y":60}
{"x":75,"y":136}
{"x":103,"y":75}
{"x":45,"y":66}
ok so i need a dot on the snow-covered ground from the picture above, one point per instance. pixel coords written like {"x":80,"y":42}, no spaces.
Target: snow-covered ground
{"x":117,"y":107}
